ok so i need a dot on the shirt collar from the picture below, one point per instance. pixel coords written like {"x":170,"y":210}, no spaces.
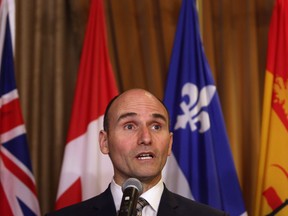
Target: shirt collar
{"x":153,"y":195}
{"x":117,"y":193}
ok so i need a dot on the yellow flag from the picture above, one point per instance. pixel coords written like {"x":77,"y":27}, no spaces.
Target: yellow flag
{"x":272,"y":184}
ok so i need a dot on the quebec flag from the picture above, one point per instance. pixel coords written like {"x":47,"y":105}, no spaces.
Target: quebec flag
{"x":200,"y":148}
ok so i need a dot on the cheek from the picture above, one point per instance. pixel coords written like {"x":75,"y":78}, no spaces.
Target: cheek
{"x":118,"y":145}
{"x":120,"y":155}
{"x":164,"y":140}
{"x":166,"y":147}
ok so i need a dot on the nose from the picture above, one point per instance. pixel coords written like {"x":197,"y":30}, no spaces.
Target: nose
{"x":145,"y":136}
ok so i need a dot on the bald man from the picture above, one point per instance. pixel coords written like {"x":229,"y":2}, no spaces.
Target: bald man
{"x":137,"y":139}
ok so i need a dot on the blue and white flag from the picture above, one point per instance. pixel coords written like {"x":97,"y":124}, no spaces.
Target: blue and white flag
{"x":200,"y":148}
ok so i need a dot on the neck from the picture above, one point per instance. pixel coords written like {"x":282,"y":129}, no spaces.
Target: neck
{"x":147,"y":183}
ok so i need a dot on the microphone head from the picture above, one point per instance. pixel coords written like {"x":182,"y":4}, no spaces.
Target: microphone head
{"x":133,"y":182}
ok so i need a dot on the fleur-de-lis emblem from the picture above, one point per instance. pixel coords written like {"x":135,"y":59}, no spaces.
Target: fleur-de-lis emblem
{"x":192,"y":112}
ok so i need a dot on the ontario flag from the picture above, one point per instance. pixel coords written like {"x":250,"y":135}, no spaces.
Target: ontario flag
{"x":201,"y":166}
{"x":272,"y":184}
{"x":18,"y":194}
{"x":85,"y":170}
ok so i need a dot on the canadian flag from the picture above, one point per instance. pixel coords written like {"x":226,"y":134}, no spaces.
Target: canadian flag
{"x":85,"y":170}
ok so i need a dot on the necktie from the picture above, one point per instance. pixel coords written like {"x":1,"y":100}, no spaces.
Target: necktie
{"x":140,"y":205}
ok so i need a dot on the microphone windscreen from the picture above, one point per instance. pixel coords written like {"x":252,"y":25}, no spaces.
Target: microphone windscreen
{"x":133,"y":182}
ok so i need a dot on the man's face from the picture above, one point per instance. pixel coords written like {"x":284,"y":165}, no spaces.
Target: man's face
{"x":138,"y":141}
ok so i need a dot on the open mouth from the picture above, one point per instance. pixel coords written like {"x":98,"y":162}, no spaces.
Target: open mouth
{"x":145,"y":156}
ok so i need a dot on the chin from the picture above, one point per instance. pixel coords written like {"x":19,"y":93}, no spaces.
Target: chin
{"x":149,"y":178}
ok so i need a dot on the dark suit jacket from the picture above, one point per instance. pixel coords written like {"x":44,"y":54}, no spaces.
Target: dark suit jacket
{"x":171,"y":204}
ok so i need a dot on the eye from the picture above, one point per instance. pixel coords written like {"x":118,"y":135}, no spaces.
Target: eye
{"x":156,"y":127}
{"x":129,"y":126}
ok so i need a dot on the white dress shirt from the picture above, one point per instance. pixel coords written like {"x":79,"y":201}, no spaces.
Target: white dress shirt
{"x":153,"y":196}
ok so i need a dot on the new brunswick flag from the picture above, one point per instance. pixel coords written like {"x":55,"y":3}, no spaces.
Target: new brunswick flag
{"x":272,"y":185}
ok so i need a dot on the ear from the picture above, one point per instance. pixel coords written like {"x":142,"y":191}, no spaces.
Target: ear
{"x":103,"y":142}
{"x":170,"y":144}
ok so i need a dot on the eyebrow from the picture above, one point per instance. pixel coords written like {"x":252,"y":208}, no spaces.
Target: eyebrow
{"x":160,"y":116}
{"x":130,"y":114}
{"x":126,"y":115}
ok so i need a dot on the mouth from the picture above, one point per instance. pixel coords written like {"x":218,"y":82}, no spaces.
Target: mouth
{"x":145,"y":156}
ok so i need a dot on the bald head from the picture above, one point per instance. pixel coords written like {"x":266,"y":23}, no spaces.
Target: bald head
{"x":132,"y":98}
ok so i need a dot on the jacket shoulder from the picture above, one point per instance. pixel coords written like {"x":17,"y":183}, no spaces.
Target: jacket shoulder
{"x":101,"y":204}
{"x":174,"y":204}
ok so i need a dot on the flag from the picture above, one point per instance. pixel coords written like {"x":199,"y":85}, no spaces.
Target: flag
{"x":85,"y":171}
{"x":200,"y":148}
{"x":18,"y":195}
{"x":272,"y":183}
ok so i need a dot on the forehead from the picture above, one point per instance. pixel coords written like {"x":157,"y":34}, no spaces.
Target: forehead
{"x":139,"y":102}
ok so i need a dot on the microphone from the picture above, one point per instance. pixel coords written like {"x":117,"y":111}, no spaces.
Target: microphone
{"x":132,"y":188}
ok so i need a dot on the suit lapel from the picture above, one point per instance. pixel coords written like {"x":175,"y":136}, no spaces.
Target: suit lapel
{"x":104,"y":205}
{"x":168,"y":204}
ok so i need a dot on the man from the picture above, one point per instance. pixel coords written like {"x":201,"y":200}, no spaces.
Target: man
{"x":137,"y":139}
